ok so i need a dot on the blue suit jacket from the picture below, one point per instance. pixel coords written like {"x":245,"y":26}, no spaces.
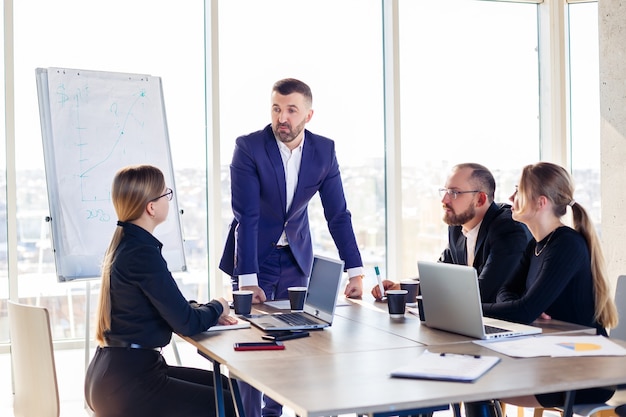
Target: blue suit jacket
{"x":259,"y":203}
{"x":499,"y":249}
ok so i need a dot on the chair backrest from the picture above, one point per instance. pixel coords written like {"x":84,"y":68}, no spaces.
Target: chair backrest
{"x":619,"y":332}
{"x":32,"y":359}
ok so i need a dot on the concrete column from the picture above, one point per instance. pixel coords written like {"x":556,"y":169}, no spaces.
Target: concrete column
{"x":612,"y":40}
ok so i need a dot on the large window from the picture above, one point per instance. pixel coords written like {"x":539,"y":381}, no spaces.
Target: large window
{"x":469,"y":93}
{"x":585,"y":106}
{"x":160,"y":38}
{"x":336,"y":48}
{"x":4,"y":276}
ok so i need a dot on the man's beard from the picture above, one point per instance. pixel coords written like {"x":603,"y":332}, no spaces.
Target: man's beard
{"x":286,"y":137}
{"x":453,"y":219}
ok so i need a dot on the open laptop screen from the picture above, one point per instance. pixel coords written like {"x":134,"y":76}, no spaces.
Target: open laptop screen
{"x":322,"y":291}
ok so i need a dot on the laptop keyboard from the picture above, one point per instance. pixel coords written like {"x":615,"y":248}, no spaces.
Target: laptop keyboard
{"x":493,"y":329}
{"x":295,"y":319}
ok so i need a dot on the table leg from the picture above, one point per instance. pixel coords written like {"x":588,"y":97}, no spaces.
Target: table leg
{"x":234,"y":390}
{"x":419,"y":412}
{"x":456,"y":409}
{"x":568,"y":407}
{"x":218,"y":388}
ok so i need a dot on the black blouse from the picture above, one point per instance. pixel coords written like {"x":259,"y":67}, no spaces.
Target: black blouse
{"x":146,"y":304}
{"x":554,"y":277}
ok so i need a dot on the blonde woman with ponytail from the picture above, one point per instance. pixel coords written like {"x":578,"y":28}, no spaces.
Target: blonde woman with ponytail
{"x":140,"y":306}
{"x":562,"y":274}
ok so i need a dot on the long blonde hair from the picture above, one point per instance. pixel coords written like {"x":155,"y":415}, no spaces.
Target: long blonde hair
{"x":555,"y":183}
{"x":133,"y":188}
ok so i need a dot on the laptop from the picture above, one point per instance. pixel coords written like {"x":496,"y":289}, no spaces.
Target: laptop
{"x":451,"y":302}
{"x":319,"y":306}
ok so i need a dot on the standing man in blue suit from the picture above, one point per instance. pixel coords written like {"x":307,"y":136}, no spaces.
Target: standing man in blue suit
{"x":274,"y":174}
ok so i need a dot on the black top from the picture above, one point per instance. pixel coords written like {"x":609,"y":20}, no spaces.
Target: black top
{"x":146,"y":304}
{"x":554,"y":277}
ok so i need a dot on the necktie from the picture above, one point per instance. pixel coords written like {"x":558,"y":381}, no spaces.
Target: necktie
{"x":462,"y":248}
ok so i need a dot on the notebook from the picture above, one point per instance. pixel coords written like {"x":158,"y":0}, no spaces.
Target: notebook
{"x":446,"y":367}
{"x":241,"y":324}
{"x":451,"y":302}
{"x":319,"y":306}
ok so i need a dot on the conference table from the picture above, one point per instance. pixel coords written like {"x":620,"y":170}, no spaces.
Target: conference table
{"x":368,"y":312}
{"x":346,"y":368}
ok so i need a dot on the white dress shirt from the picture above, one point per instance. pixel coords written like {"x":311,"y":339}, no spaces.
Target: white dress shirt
{"x":291,"y":163}
{"x":292,"y":159}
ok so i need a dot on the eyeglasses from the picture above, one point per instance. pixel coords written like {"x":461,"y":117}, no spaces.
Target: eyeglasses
{"x":169,"y":194}
{"x":453,"y":194}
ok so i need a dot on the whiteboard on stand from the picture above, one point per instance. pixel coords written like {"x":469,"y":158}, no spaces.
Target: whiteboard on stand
{"x":93,"y":123}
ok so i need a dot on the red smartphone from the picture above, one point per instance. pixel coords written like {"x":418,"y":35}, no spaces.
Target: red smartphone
{"x":276,"y":345}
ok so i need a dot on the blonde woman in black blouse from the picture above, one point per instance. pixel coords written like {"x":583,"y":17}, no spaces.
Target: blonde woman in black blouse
{"x":140,"y":306}
{"x":562,"y":273}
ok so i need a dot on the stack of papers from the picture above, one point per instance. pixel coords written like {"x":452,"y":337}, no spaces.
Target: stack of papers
{"x":446,"y":367}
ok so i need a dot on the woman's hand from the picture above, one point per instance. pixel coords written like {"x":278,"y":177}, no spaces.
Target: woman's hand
{"x":225,"y":318}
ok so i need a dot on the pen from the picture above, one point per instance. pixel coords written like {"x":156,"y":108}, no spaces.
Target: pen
{"x":458,"y":354}
{"x":380,"y":282}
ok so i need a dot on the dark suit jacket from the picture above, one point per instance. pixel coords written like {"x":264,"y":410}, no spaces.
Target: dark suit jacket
{"x":500,"y":246}
{"x":259,"y":200}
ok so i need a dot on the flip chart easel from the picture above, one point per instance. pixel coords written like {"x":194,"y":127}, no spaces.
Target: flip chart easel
{"x":94,"y":123}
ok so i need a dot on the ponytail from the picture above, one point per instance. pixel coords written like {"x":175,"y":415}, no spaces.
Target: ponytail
{"x":605,"y":310}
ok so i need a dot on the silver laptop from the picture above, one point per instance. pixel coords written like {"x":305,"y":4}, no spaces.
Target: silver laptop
{"x":319,"y":306}
{"x":451,"y":301}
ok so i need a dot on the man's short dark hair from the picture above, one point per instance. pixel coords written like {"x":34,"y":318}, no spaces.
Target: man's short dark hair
{"x":483,"y":178}
{"x":288,"y":86}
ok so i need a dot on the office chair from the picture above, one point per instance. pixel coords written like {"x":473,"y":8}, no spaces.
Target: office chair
{"x":34,"y":374}
{"x":602,"y":409}
{"x":620,"y":301}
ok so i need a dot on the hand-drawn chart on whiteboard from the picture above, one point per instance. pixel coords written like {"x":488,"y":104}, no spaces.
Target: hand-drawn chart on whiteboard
{"x":93,"y":123}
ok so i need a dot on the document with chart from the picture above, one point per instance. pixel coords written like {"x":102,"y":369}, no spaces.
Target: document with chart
{"x":555,"y":346}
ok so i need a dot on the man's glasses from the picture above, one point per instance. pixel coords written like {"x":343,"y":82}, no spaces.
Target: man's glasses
{"x":169,"y":194}
{"x":453,"y":194}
